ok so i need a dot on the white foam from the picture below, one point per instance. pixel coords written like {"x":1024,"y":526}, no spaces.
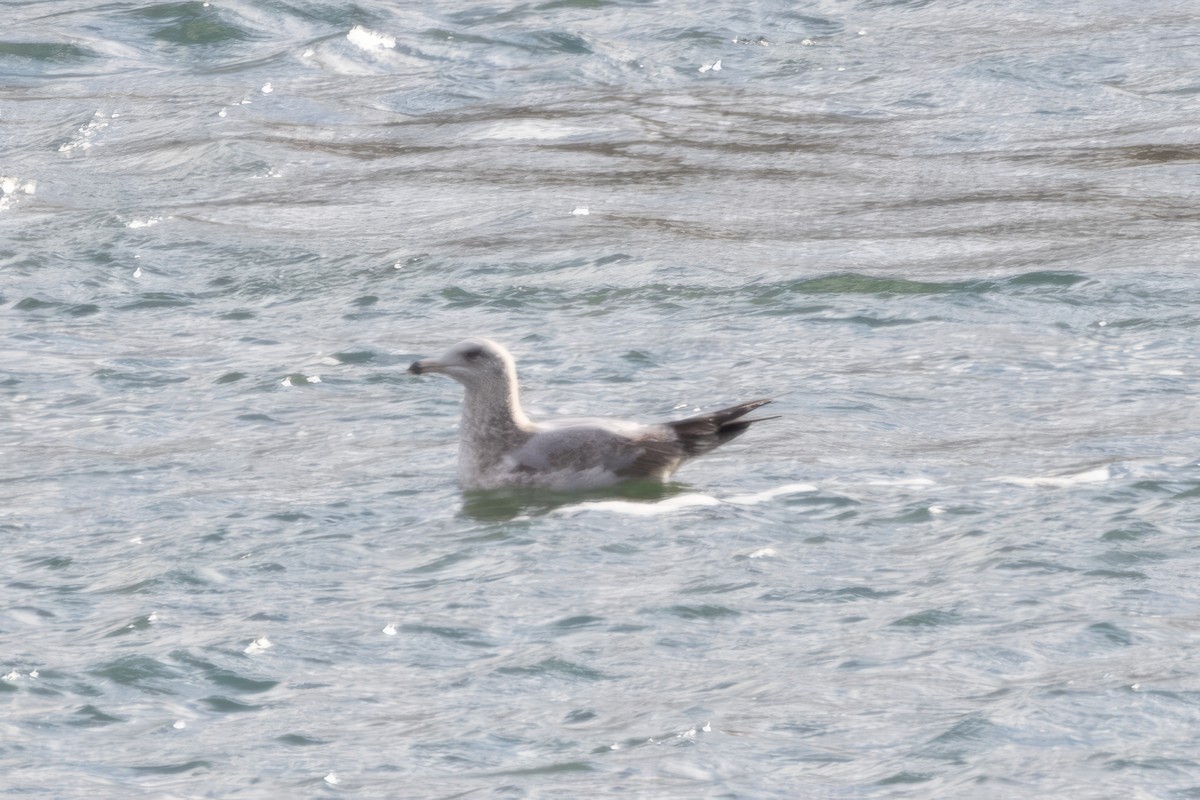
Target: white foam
{"x":330,"y":59}
{"x":149,"y":222}
{"x":1095,"y":475}
{"x":760,"y":497}
{"x":12,"y":188}
{"x":901,"y":482}
{"x":370,"y":40}
{"x":258,"y":645}
{"x":84,"y":134}
{"x":668,"y":506}
{"x":693,"y":500}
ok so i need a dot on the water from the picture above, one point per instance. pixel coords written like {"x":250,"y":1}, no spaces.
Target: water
{"x":958,"y":239}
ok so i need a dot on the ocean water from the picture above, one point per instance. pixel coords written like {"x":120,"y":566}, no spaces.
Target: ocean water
{"x":959,"y":241}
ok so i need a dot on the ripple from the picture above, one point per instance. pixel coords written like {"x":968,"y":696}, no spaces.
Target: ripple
{"x":467,"y":636}
{"x":966,"y":736}
{"x":557,"y":768}
{"x":1110,"y":634}
{"x":138,"y":671}
{"x":55,"y":52}
{"x":300,"y":740}
{"x":227,"y":705}
{"x":703,"y":612}
{"x":191,"y":23}
{"x":554,"y":667}
{"x":140,"y":379}
{"x":154,"y":300}
{"x":33,"y":304}
{"x":177,"y":768}
{"x":583,"y":621}
{"x":933,"y":618}
{"x":90,"y":716}
{"x":905,"y":777}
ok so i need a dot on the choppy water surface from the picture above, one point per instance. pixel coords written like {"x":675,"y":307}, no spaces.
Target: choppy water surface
{"x":958,"y":239}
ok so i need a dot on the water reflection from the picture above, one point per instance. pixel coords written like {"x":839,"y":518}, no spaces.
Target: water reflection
{"x":500,"y":505}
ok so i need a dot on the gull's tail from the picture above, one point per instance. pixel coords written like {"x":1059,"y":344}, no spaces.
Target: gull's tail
{"x":704,"y":432}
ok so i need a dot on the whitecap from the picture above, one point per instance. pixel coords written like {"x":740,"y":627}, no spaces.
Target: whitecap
{"x":12,"y":188}
{"x":369,"y":39}
{"x":82,"y":139}
{"x":258,"y":645}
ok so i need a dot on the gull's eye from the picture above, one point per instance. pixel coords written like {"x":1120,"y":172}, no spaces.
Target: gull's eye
{"x":473,"y":354}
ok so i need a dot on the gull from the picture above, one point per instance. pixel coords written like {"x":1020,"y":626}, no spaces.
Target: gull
{"x":500,"y":446}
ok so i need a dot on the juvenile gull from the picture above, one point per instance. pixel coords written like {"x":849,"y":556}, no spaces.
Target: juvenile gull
{"x":500,"y":446}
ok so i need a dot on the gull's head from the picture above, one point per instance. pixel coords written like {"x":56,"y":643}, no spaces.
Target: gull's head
{"x":471,"y":362}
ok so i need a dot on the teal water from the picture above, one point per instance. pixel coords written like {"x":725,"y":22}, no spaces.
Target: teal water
{"x":958,"y":240}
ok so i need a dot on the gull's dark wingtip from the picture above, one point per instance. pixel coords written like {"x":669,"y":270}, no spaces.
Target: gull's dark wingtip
{"x":703,"y":432}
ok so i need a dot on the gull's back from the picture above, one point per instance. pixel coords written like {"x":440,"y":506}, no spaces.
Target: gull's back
{"x":586,"y":451}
